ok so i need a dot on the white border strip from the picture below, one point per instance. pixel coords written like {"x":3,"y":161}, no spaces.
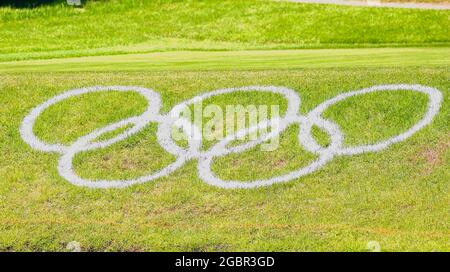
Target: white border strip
{"x":376,"y":4}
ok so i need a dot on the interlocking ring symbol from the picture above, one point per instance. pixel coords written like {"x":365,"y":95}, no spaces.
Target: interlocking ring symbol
{"x":205,"y":158}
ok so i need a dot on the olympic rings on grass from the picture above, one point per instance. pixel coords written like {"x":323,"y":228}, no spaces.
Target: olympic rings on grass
{"x":205,"y":158}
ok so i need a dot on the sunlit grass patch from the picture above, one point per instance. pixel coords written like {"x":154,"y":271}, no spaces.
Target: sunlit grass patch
{"x":377,"y":116}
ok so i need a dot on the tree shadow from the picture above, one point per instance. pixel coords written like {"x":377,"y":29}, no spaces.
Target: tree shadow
{"x":28,"y":3}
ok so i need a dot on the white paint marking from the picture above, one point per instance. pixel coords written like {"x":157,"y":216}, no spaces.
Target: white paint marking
{"x":205,"y":158}
{"x":377,"y":4}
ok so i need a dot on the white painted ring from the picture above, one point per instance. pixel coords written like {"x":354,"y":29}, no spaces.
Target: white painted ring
{"x":434,"y":102}
{"x":325,"y":155}
{"x":26,"y":128}
{"x":292,"y":109}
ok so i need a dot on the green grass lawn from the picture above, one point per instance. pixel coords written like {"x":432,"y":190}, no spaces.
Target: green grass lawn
{"x":239,"y":60}
{"x":398,"y":197}
{"x":124,"y":26}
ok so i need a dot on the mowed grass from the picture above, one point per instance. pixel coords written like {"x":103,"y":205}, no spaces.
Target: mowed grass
{"x":398,"y":197}
{"x":99,"y":27}
{"x":239,"y":60}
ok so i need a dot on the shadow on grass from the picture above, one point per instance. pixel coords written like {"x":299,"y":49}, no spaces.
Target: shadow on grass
{"x":29,"y":3}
